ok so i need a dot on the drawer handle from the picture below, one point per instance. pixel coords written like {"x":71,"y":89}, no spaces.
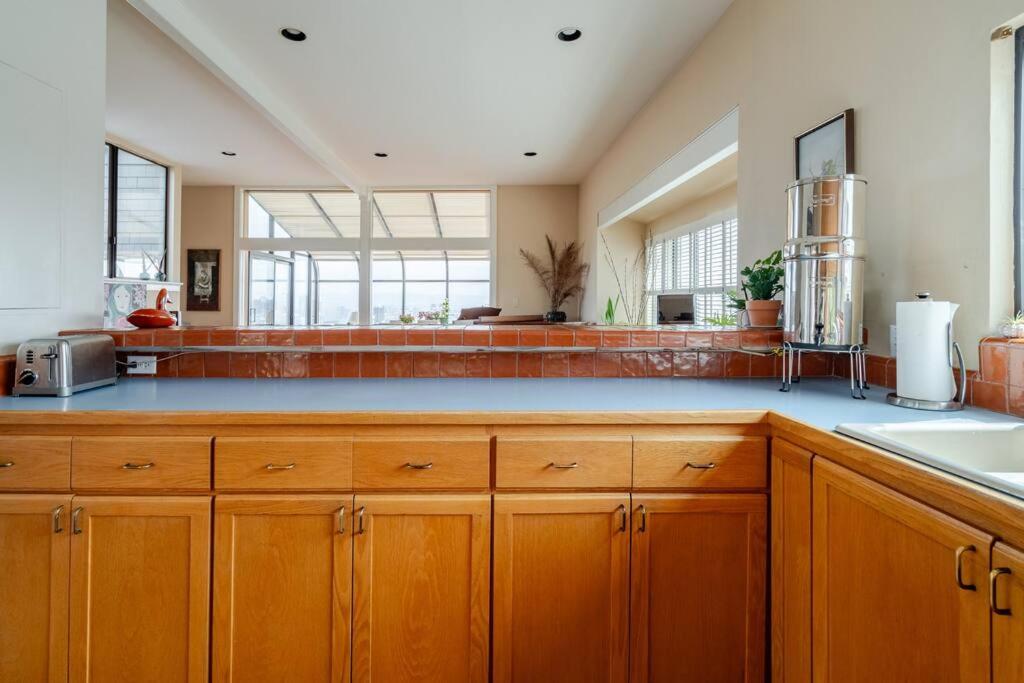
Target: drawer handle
{"x":272,"y":466}
{"x":623,"y":522}
{"x":76,"y":525}
{"x":360,"y":529}
{"x":643,"y":518}
{"x":559,"y":466}
{"x":138,"y":466}
{"x":992,"y":583}
{"x":960,"y":568}
{"x":419,"y":466}
{"x":5,"y":465}
{"x":57,"y":512}
{"x":341,"y":520}
{"x":701,"y":465}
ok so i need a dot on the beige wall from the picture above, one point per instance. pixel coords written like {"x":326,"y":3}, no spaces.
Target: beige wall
{"x":207,"y":222}
{"x":711,"y":204}
{"x":922,"y":137}
{"x":526,"y":213}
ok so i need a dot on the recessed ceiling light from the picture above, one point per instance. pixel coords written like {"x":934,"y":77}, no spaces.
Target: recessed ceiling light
{"x":529,"y":154}
{"x":228,"y":154}
{"x":293,"y":34}
{"x":569,"y":34}
{"x":380,"y":155}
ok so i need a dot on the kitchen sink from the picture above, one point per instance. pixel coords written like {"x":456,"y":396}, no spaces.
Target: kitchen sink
{"x":989,"y":453}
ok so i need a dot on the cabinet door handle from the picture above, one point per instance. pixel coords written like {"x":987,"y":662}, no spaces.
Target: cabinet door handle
{"x":341,"y":520}
{"x":993,"y":582}
{"x":360,"y":529}
{"x":643,"y":518}
{"x":138,"y":466}
{"x":701,"y":465}
{"x":76,"y":525}
{"x":272,"y":466}
{"x":960,"y":568}
{"x":419,"y":466}
{"x":623,"y":522}
{"x":567,"y":466}
{"x":57,"y":512}
{"x":5,"y":465}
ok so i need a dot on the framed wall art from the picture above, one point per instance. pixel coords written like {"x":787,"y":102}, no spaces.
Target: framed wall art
{"x":203,"y":285}
{"x":826,"y":149}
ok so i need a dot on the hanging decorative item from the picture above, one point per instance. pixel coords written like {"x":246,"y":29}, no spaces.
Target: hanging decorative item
{"x":203,"y":287}
{"x":827,"y":149}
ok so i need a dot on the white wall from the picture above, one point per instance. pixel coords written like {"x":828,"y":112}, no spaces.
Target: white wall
{"x":61,"y":43}
{"x":918,"y":74}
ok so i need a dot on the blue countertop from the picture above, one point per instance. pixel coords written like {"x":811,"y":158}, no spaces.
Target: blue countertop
{"x":820,"y":402}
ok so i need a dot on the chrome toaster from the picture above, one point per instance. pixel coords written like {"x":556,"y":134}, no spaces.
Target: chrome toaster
{"x":64,"y":365}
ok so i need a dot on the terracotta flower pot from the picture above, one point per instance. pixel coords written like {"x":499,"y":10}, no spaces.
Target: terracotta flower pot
{"x":763,"y":313}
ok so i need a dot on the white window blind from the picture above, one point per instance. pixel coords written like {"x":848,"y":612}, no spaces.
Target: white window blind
{"x":702,"y":263}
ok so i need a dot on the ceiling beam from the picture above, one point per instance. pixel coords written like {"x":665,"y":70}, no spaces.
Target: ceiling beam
{"x":181,"y":24}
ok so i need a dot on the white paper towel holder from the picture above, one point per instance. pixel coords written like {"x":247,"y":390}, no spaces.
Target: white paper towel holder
{"x":924,"y":404}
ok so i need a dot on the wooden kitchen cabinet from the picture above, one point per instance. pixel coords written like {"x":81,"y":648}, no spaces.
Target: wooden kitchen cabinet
{"x":35,"y":555}
{"x":791,"y":563}
{"x":698,"y":587}
{"x":1006,"y":583}
{"x":900,"y":589}
{"x":140,"y":570}
{"x":561,"y":588}
{"x":282,"y":588}
{"x":421,"y":588}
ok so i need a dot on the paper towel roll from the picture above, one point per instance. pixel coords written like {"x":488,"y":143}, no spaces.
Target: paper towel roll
{"x":923,"y":363}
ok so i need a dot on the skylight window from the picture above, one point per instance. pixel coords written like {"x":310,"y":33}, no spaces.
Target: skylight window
{"x":447,"y":214}
{"x":304,"y":215}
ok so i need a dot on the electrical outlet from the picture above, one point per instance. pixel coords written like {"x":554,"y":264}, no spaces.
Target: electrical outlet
{"x":144,"y":365}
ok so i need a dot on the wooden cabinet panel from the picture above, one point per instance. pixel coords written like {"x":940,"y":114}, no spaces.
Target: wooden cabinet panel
{"x":35,"y":553}
{"x":421,"y":589}
{"x":282,"y":589}
{"x":886,"y":603}
{"x":699,"y":563}
{"x":561,"y":588}
{"x":791,"y":563}
{"x":1007,"y":585}
{"x":285,"y":463}
{"x":420,"y":463}
{"x":35,"y":463}
{"x":564,"y":462}
{"x":704,"y":462}
{"x":137,"y":462}
{"x":140,"y":585}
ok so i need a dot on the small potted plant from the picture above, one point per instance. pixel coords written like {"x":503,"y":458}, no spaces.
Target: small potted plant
{"x":1013,"y":326}
{"x":562,"y":279}
{"x":761,"y":282}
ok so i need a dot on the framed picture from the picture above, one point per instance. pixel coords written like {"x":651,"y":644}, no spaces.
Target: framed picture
{"x":826,"y":149}
{"x":203,"y":285}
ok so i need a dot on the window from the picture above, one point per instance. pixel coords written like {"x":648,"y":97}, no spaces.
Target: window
{"x":1018,"y":204}
{"x":701,"y":263}
{"x":135,"y":212}
{"x":425,"y":247}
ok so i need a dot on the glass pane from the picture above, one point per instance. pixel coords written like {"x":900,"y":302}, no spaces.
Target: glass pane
{"x":463,"y":214}
{"x":343,"y":208}
{"x":261,"y":292}
{"x":469,"y":269}
{"x":282,"y":293}
{"x":106,"y":209}
{"x":301,"y":299}
{"x":338,"y":303}
{"x":423,"y":296}
{"x":386,"y":266}
{"x":302,"y":214}
{"x":387,"y":301}
{"x":404,"y":214}
{"x":259,"y":220}
{"x":337,"y":269}
{"x":141,"y":217}
{"x":463,"y":226}
{"x":468,"y":295}
{"x":425,"y":267}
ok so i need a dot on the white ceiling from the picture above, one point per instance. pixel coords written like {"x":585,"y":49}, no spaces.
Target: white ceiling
{"x":164,"y":101}
{"x":454,"y":90}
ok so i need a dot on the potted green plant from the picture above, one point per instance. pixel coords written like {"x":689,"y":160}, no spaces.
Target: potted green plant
{"x":760,"y":282}
{"x":562,"y":278}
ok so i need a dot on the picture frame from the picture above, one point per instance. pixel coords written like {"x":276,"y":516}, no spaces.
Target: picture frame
{"x":203,"y":280}
{"x":827,"y":148}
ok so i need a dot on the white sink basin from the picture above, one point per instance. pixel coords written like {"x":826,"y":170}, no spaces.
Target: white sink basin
{"x":989,"y":453}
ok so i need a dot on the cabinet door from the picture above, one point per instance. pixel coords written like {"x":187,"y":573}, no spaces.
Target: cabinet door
{"x":1006,"y":583}
{"x":791,"y":563}
{"x":698,"y":588}
{"x":140,"y":584}
{"x":34,"y":552}
{"x":561,"y":588}
{"x":421,"y":588}
{"x":900,"y":590}
{"x":282,"y":588}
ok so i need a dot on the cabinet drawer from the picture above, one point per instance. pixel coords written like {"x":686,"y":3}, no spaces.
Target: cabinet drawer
{"x":421,"y":463}
{"x":286,"y":463}
{"x":35,"y":463}
{"x":564,"y":462}
{"x":135,"y":462}
{"x":723,"y":462}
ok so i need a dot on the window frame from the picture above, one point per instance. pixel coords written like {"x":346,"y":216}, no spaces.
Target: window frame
{"x":362,"y":246}
{"x":112,"y":149}
{"x":1018,"y":172}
